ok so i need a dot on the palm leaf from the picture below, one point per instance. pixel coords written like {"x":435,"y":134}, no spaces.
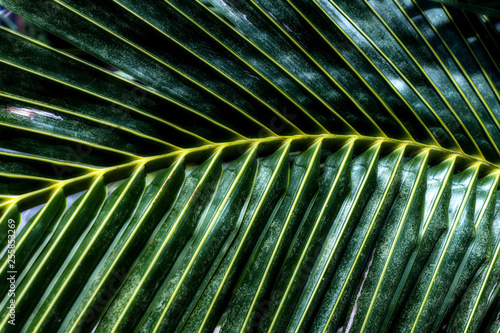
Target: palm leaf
{"x":254,"y":165}
{"x":489,"y":8}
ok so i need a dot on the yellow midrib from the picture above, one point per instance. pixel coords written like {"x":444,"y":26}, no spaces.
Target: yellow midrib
{"x":162,"y":160}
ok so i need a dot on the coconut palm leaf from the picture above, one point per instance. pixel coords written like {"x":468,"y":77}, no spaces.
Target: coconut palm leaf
{"x":489,"y":8}
{"x":270,"y":166}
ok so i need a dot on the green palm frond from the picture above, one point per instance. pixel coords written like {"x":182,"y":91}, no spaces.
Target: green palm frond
{"x":264,"y":165}
{"x":489,"y":7}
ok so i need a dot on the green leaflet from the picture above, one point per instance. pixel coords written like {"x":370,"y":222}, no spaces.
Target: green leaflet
{"x":247,"y":307}
{"x":334,"y":186}
{"x":363,"y":176}
{"x":332,"y":310}
{"x":244,"y":63}
{"x":477,"y":254}
{"x":230,"y":61}
{"x":136,"y":122}
{"x":159,"y":196}
{"x":395,"y":244}
{"x":35,"y":170}
{"x":293,"y":24}
{"x":271,"y":183}
{"x":11,"y":213}
{"x":331,"y":115}
{"x":401,"y":37}
{"x":480,"y":293}
{"x":449,"y":39}
{"x":203,"y":90}
{"x":482,"y":8}
{"x":410,"y":84}
{"x":428,"y":294}
{"x":78,"y":267}
{"x":482,"y":52}
{"x":30,"y":240}
{"x":401,"y":101}
{"x":389,"y":65}
{"x":494,"y":324}
{"x":158,"y":257}
{"x":188,"y":98}
{"x":434,"y":224}
{"x":196,"y":265}
{"x":461,"y":99}
{"x":71,"y":227}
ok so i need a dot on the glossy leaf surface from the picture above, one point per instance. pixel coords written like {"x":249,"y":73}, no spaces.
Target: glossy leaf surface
{"x":250,"y":166}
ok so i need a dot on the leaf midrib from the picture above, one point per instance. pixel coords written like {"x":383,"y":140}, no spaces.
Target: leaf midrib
{"x":163,"y":159}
